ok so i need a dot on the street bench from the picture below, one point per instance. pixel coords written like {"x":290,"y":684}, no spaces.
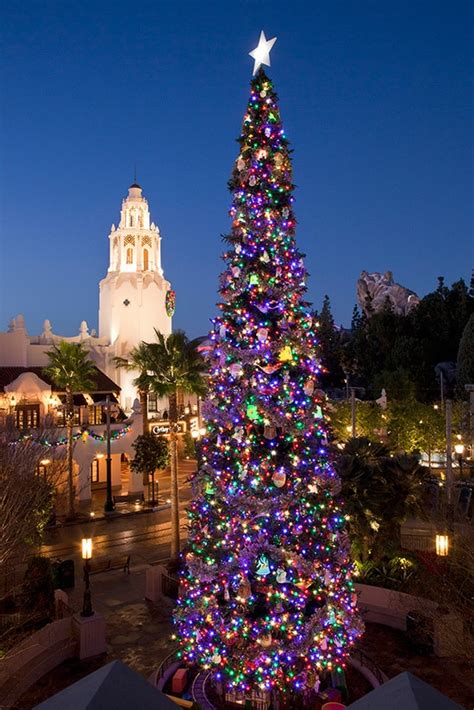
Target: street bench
{"x":130,"y":498}
{"x":105,"y":564}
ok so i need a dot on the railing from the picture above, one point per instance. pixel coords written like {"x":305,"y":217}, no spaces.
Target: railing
{"x":163,"y":667}
{"x":63,"y":610}
{"x":364,"y":661}
{"x":198,"y":691}
{"x":169,"y":586}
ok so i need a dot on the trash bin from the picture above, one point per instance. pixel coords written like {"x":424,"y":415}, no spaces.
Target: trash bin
{"x":420,"y":632}
{"x":63,"y":574}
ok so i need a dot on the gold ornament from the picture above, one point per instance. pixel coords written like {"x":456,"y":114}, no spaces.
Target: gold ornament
{"x":285,"y":354}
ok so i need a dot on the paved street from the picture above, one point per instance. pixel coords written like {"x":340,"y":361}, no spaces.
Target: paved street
{"x":144,"y":535}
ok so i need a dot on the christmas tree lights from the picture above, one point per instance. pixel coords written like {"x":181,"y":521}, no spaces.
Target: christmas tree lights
{"x":266,"y":596}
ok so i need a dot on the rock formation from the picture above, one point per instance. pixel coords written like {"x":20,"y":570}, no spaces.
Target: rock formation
{"x":374,"y":290}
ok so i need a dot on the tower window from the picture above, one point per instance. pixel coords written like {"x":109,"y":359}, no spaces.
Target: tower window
{"x":145,"y":260}
{"x":131,"y":220}
{"x":129,"y":258}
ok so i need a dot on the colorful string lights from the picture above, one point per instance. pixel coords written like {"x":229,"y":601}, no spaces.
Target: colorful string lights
{"x":83,"y":434}
{"x":266,"y":597}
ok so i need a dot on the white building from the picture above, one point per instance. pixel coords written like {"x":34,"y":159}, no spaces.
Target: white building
{"x":132,"y":304}
{"x":132,"y":295}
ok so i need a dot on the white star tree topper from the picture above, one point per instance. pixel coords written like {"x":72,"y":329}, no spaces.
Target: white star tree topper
{"x":261,"y":53}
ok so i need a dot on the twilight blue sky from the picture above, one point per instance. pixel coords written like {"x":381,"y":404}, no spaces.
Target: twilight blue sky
{"x":375,"y":97}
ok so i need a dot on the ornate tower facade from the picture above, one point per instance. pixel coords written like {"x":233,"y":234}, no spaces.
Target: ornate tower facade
{"x":132,"y":295}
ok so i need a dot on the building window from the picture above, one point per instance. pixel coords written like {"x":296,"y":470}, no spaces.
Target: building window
{"x":152,"y":402}
{"x":96,"y":415}
{"x":41,"y":470}
{"x":95,"y":471}
{"x":27,"y":416}
{"x":131,"y":220}
{"x":145,"y":260}
{"x":61,"y":417}
{"x":129,"y":255}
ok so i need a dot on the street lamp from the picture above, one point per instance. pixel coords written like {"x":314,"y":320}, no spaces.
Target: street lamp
{"x":109,"y":505}
{"x":442,"y":545}
{"x":86,"y":556}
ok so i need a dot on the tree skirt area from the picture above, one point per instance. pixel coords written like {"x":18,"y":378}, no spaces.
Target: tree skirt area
{"x":140,"y":636}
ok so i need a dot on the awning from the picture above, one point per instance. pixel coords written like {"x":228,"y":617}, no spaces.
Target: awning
{"x":100,"y":398}
{"x":78,"y":400}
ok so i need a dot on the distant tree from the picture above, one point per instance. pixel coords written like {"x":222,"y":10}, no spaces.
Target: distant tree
{"x":71,"y":371}
{"x":175,"y":363}
{"x":369,"y":420}
{"x":26,"y":498}
{"x":330,"y":350}
{"x":414,"y":426}
{"x":465,"y":359}
{"x":400,"y":352}
{"x":38,"y":589}
{"x":151,"y":454}
{"x":189,"y":446}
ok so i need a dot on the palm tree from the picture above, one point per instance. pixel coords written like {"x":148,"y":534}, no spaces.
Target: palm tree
{"x":71,"y":371}
{"x":174,"y":363}
{"x":380,"y":490}
{"x":138,"y":360}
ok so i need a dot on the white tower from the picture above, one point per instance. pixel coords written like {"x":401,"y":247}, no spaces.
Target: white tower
{"x":132,"y":295}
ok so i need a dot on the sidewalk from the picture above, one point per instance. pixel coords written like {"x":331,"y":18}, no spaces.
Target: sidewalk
{"x":138,"y":633}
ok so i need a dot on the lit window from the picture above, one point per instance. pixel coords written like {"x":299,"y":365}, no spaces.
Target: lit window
{"x":94,"y":471}
{"x":129,"y":255}
{"x":27,"y":416}
{"x":145,"y":260}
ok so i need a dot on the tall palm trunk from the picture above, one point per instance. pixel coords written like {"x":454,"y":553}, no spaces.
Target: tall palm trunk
{"x":175,"y":542}
{"x":143,"y":394}
{"x":70,"y":463}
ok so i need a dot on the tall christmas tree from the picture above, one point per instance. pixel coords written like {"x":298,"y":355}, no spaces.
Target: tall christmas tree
{"x":266,"y":598}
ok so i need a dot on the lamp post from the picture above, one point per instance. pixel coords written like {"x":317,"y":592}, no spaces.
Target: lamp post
{"x":442,"y":545}
{"x":353,"y":413}
{"x":86,"y":556}
{"x":448,"y":405}
{"x":109,"y":505}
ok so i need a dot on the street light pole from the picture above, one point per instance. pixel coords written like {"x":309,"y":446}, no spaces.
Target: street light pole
{"x":109,"y":505}
{"x":449,"y":463}
{"x":353,"y":412}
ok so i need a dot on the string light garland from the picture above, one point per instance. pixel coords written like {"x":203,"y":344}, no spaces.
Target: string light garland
{"x":266,"y":598}
{"x":83,"y":434}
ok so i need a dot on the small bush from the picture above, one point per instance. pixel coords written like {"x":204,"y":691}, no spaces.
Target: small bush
{"x":38,"y":589}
